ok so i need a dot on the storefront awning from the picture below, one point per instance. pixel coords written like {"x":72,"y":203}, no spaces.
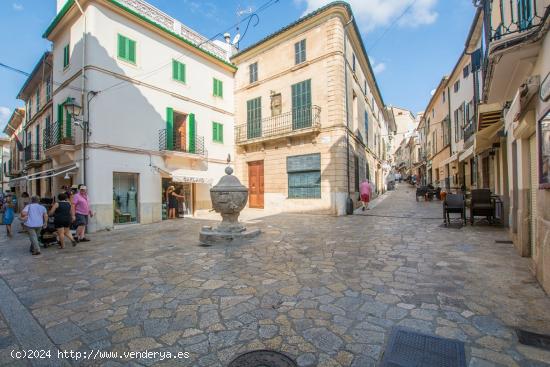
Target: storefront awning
{"x":43,"y":174}
{"x":485,"y":138}
{"x":192,"y":176}
{"x":449,"y":160}
{"x":468,"y":153}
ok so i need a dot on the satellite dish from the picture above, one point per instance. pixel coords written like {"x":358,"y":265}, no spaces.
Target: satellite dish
{"x":236,"y":39}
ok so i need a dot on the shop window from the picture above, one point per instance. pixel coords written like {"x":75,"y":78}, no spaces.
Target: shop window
{"x":304,"y":176}
{"x":125,"y":198}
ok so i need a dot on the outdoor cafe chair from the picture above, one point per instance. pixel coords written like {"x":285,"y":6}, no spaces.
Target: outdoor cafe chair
{"x":482,"y":205}
{"x":454,"y":203}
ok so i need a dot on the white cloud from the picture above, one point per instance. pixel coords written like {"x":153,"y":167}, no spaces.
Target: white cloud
{"x":372,"y":14}
{"x":5,"y":114}
{"x":377,"y":68}
{"x":17,"y":7}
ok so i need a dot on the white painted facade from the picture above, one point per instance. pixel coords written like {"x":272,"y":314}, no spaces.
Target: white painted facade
{"x":125,"y":117}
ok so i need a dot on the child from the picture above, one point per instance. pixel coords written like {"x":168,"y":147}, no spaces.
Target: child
{"x":9,"y":214}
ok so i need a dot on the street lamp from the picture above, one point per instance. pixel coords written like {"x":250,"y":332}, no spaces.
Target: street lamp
{"x":72,"y":108}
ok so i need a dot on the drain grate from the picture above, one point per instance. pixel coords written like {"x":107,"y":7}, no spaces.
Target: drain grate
{"x":263,"y":358}
{"x":407,"y":347}
{"x":533,"y":339}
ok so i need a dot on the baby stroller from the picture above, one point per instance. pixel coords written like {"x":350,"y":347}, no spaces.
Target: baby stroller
{"x":48,"y":235}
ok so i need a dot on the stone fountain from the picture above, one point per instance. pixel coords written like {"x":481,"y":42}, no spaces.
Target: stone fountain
{"x":229,"y":197}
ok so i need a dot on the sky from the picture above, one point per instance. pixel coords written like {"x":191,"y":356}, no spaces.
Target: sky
{"x":411,"y":43}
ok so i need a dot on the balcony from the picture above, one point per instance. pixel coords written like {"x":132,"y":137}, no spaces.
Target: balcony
{"x":176,"y":146}
{"x":58,"y":143}
{"x":469,"y":131}
{"x":300,"y":121}
{"x":34,"y":155}
{"x":510,"y":18}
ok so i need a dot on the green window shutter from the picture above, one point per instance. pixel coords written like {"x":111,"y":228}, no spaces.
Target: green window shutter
{"x":192,"y":137}
{"x":182,"y":72}
{"x":214,"y":131}
{"x":174,"y":70}
{"x":301,"y":105}
{"x":254,"y":118}
{"x":131,"y":50}
{"x":217,"y":88}
{"x":214,"y":87}
{"x":169,"y":144}
{"x":178,"y":71}
{"x":68,"y":132}
{"x":220,"y":133}
{"x":59,"y":122}
{"x":65,"y":56}
{"x":121,"y":46}
{"x":220,"y":88}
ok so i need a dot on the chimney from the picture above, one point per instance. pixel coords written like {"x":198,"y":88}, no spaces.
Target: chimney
{"x":60,"y":4}
{"x":227,"y":37}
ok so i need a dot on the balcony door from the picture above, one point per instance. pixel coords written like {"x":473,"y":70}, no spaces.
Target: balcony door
{"x":301,"y":105}
{"x":179,"y":134}
{"x":254,"y":118}
{"x":256,"y":184}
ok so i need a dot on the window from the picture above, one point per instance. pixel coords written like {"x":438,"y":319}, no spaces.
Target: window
{"x":353,"y":62}
{"x":466,"y":71}
{"x":66,"y":56}
{"x":434,"y":139}
{"x":456,"y":86}
{"x":433,"y":112}
{"x":48,"y":90}
{"x":365,"y":87}
{"x":217,"y":132}
{"x":178,"y":71}
{"x":456,"y":124}
{"x":253,"y":71}
{"x":126,"y":49}
{"x":443,"y":96}
{"x":366,"y":128}
{"x":301,"y":105}
{"x":37,"y":99}
{"x":304,"y":176}
{"x":300,"y":52}
{"x":254,"y":118}
{"x":217,"y":88}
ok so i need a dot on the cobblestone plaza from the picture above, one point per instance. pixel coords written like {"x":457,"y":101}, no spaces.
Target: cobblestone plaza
{"x":324,"y":290}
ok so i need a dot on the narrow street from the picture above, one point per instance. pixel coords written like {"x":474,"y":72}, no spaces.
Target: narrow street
{"x":325,"y":290}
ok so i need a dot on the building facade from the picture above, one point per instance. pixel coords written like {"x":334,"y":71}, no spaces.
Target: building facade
{"x":37,"y":93}
{"x":514,"y":121}
{"x":14,"y":167}
{"x":310,"y":119}
{"x":156,"y":104}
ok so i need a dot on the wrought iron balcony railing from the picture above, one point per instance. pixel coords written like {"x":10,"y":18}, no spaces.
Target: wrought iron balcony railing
{"x":56,"y":134}
{"x":512,"y":17}
{"x":33,"y":152}
{"x":176,"y":143}
{"x":288,"y":123}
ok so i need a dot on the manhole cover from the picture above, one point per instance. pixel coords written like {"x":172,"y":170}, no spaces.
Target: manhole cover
{"x":408,"y":348}
{"x":263,"y":358}
{"x":533,"y":339}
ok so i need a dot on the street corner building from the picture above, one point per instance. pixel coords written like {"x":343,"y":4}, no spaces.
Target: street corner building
{"x":156,"y":110}
{"x":310,"y":121}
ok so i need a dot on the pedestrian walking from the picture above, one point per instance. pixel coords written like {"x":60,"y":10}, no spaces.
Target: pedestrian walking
{"x":8,"y":207}
{"x":365,"y":191}
{"x":34,"y":217}
{"x":64,"y":214}
{"x":82,"y":212}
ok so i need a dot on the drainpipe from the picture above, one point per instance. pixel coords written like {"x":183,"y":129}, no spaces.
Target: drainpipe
{"x":349,"y":201}
{"x":83,"y":88}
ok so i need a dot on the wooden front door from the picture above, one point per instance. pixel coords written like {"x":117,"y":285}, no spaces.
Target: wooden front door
{"x":256,"y":184}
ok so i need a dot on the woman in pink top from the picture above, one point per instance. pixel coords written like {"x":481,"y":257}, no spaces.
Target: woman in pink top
{"x":365,"y":191}
{"x":82,"y":211}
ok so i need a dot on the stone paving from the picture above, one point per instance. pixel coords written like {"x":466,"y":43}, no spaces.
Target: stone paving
{"x":324,"y":290}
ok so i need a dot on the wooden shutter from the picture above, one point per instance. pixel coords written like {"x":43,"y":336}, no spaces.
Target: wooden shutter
{"x":220,"y":133}
{"x":301,"y":104}
{"x":192,"y":133}
{"x":214,"y":131}
{"x":122,"y":46}
{"x":59,"y":122}
{"x":175,"y":70}
{"x":132,"y":50}
{"x":214,"y":87}
{"x":68,"y":125}
{"x":169,"y":140}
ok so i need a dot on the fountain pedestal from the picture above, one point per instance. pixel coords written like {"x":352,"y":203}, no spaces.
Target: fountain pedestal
{"x":229,"y":198}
